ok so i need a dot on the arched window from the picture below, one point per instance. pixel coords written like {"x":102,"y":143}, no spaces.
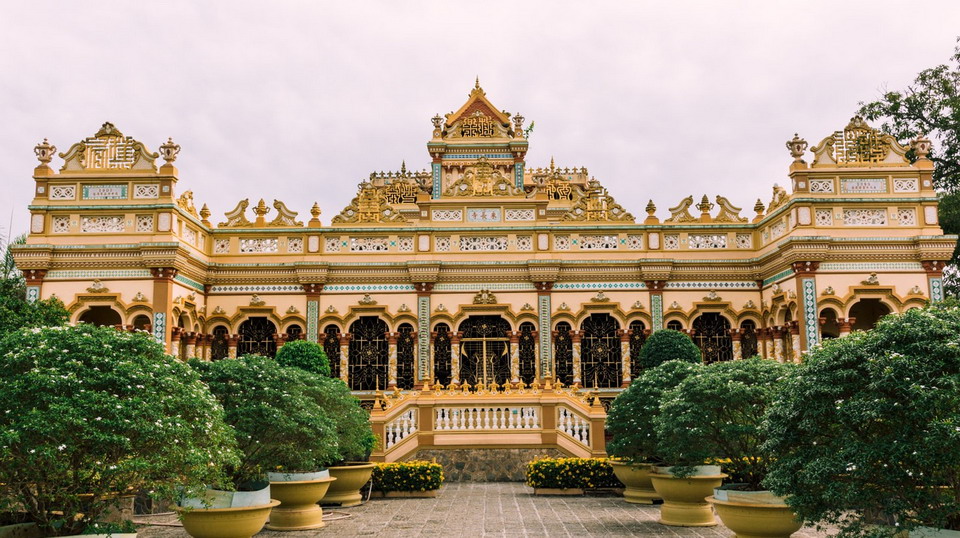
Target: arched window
{"x":563,"y":354}
{"x":787,"y":336}
{"x":294,"y":332}
{"x":140,"y":322}
{"x":219,"y":348}
{"x":712,"y":336}
{"x":867,"y":313}
{"x":674,"y":325}
{"x":406,"y":351}
{"x":256,"y":337}
{"x":830,"y":327}
{"x":637,"y":338}
{"x":368,"y":354}
{"x":484,"y":350}
{"x":101,"y":316}
{"x":600,"y":357}
{"x":441,"y":354}
{"x":748,"y":339}
{"x":528,"y":353}
{"x":331,"y":345}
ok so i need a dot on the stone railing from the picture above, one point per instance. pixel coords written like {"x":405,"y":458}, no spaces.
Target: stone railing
{"x":564,"y":419}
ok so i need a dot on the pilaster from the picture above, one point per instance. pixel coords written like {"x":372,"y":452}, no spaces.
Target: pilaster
{"x":34,"y":280}
{"x":424,"y":369}
{"x":544,"y":316}
{"x":514,"y":356}
{"x":809,"y":323}
{"x":575,"y":338}
{"x":455,"y":357}
{"x":345,"y":357}
{"x":625,"y":335}
{"x":163,"y":304}
{"x":934,"y":270}
{"x":655,"y":288}
{"x":313,"y":311}
{"x":735,"y":335}
{"x":392,"y":359}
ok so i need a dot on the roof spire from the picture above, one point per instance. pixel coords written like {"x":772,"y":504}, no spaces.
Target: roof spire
{"x":476,"y":85}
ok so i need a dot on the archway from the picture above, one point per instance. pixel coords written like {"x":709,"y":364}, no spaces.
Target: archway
{"x":600,"y":362}
{"x":748,"y":339}
{"x":101,"y":316}
{"x":712,"y":336}
{"x":256,"y":337}
{"x":368,"y":354}
{"x":830,"y":327}
{"x":867,"y":313}
{"x":674,"y":325}
{"x":406,"y":352}
{"x":563,"y":353}
{"x":484,"y":352}
{"x":140,"y":322}
{"x":294,"y":332}
{"x":219,"y":347}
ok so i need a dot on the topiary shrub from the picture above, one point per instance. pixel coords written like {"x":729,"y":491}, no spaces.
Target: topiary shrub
{"x":407,"y":476}
{"x":278,"y":423}
{"x":869,"y":425}
{"x":716,"y":416}
{"x":668,"y":345}
{"x":305,"y":355}
{"x":87,"y":412}
{"x":632,"y":413}
{"x":355,"y":438}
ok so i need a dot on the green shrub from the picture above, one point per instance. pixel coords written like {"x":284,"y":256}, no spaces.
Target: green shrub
{"x":407,"y":476}
{"x":668,"y":345}
{"x":305,"y":355}
{"x":87,"y":411}
{"x":632,"y":413}
{"x":355,"y":438}
{"x":716,"y":415}
{"x":16,"y":312}
{"x":869,"y":424}
{"x":568,"y":473}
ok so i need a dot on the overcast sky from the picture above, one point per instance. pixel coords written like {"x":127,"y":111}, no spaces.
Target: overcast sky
{"x":300,"y":101}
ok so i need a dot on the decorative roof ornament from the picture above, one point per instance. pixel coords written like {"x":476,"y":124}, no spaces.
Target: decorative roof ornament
{"x":185,"y":202}
{"x":797,"y":146}
{"x":563,"y":307}
{"x":403,"y":308}
{"x":366,"y":300}
{"x":828,"y":291}
{"x":651,"y":210}
{"x":600,"y":297}
{"x":871,"y":280}
{"x":638,"y":305}
{"x":758,"y":207}
{"x":236,"y":217}
{"x":779,"y":198}
{"x":483,"y":179}
{"x":44,"y":152}
{"x":285,"y":217}
{"x":681,"y":213}
{"x":749,"y":304}
{"x":597,"y":206}
{"x":98,"y":287}
{"x":255,"y":300}
{"x":315,"y":215}
{"x":713,"y":297}
{"x":705,"y":207}
{"x":369,"y":206}
{"x":675,"y":306}
{"x":169,"y":150}
{"x":205,"y":216}
{"x":108,"y":149}
{"x":440,"y":308}
{"x":920,"y":145}
{"x":331,"y":310}
{"x":915,"y":291}
{"x":518,"y":125}
{"x":858,"y":144}
{"x":260,"y":210}
{"x":728,"y":212}
{"x":485,"y":297}
{"x":527,"y":307}
{"x":219,"y":311}
{"x":139,"y":297}
{"x":293,"y":310}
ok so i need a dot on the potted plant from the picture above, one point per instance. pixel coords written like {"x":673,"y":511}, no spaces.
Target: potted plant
{"x":716,"y":415}
{"x":88,"y":413}
{"x":634,"y":443}
{"x":278,"y":426}
{"x":866,"y":429}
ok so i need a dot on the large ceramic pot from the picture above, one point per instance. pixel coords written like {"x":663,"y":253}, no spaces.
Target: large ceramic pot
{"x":298,"y":494}
{"x":350,"y":478}
{"x":755,"y":514}
{"x":227,"y":514}
{"x":636,"y":478}
{"x":684,"y":499}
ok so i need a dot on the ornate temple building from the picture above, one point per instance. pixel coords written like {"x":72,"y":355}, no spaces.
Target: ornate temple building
{"x":481,"y":269}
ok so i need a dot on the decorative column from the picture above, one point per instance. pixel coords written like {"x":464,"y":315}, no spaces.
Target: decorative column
{"x":846,"y":325}
{"x":934,"y":271}
{"x":735,"y":340}
{"x":175,"y":342}
{"x":777,"y":332}
{"x":537,"y":372}
{"x":392,"y":359}
{"x":34,"y":281}
{"x":655,"y":288}
{"x":191,"y":341}
{"x":436,"y":168}
{"x":208,"y":347}
{"x":232,"y":341}
{"x":575,"y":337}
{"x":544,"y":315}
{"x":425,"y":372}
{"x":162,"y":304}
{"x":808,"y":334}
{"x":345,"y":357}
{"x":455,"y":357}
{"x":625,"y":335}
{"x":795,"y":340}
{"x":766,"y":339}
{"x":313,"y":311}
{"x":514,"y":356}
{"x":279,"y":339}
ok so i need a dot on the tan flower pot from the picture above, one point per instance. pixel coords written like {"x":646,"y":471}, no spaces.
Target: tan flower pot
{"x":241,"y":522}
{"x":684,"y":499}
{"x":756,"y":519}
{"x":350,"y":478}
{"x":636,"y":478}
{"x":298,"y":508}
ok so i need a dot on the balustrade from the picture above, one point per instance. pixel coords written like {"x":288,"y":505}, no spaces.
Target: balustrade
{"x":486,"y":418}
{"x":574,"y":425}
{"x":399,"y":428}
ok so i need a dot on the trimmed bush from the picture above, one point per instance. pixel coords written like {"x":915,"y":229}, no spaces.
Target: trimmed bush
{"x":668,"y":345}
{"x":570,"y":473}
{"x":305,"y":355}
{"x":407,"y":476}
{"x":355,"y":438}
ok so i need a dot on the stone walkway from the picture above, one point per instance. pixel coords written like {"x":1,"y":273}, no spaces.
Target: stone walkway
{"x":470,"y":509}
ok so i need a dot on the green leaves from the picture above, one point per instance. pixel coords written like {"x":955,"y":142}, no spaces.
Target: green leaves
{"x":305,"y":355}
{"x":667,"y":345}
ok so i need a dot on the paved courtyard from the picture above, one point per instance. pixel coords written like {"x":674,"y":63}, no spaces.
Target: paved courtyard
{"x":470,"y":509}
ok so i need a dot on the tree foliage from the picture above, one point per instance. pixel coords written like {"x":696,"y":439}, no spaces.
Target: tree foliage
{"x":355,"y":438}
{"x":305,"y":355}
{"x":667,"y":345}
{"x":869,"y":424}
{"x":86,"y":412}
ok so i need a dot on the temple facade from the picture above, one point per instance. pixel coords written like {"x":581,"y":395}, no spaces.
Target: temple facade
{"x":482,"y":269}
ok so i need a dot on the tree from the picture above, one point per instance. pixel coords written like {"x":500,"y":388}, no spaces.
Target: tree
{"x":305,"y":355}
{"x":15,"y":310}
{"x":667,"y":345}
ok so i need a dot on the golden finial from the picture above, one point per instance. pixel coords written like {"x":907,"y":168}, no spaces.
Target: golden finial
{"x":260,"y":210}
{"x":315,"y":210}
{"x":205,"y":215}
{"x":169,"y":150}
{"x":551,"y":162}
{"x":476,"y":85}
{"x":651,"y":208}
{"x":44,"y":152}
{"x":758,"y":207}
{"x":705,"y":206}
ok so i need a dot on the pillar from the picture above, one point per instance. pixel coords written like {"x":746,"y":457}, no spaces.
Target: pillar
{"x":846,"y":325}
{"x":436,"y":169}
{"x":162,"y":305}
{"x":735,"y":340}
{"x":514,"y":356}
{"x":232,"y":341}
{"x":765,"y":340}
{"x":345,"y":357}
{"x":544,"y":316}
{"x":279,"y":339}
{"x":934,"y":270}
{"x":455,"y":357}
{"x":425,"y":373}
{"x":625,"y":335}
{"x":795,"y":340}
{"x":207,"y":347}
{"x":777,"y":332}
{"x":392,"y":359}
{"x":655,"y":288}
{"x":190,"y":339}
{"x":575,"y":337}
{"x":175,"y":341}
{"x":34,"y":280}
{"x":313,"y":311}
{"x":808,"y":330}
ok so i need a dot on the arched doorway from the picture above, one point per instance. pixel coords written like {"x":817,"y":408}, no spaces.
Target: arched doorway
{"x":294,"y":332}
{"x":331,"y":345}
{"x":441,"y":354}
{"x":528,"y":353}
{"x":638,"y":337}
{"x":406,"y":351}
{"x":600,"y":361}
{"x":484,"y":350}
{"x":256,"y":337}
{"x":219,"y":348}
{"x":674,"y":325}
{"x":748,"y":339}
{"x":830,"y":327}
{"x":867,"y":313}
{"x":101,"y":316}
{"x":140,"y":322}
{"x":369,"y":353}
{"x":712,"y":336}
{"x":563,"y":353}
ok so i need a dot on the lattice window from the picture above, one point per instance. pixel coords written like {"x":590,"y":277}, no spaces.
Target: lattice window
{"x":267,"y":245}
{"x":144,"y":223}
{"x":907,"y":216}
{"x":406,"y":353}
{"x":447,"y":215}
{"x":441,"y":354}
{"x":190,"y":235}
{"x":599,"y":242}
{"x":671,"y":242}
{"x":484,"y":355}
{"x":256,"y":337}
{"x":635,"y":242}
{"x":905,"y":184}
{"x":61,"y":225}
{"x":865,"y":217}
{"x":146,"y":191}
{"x":294,"y":332}
{"x":331,"y":345}
{"x":519,"y":214}
{"x":332,"y":244}
{"x":637,"y":338}
{"x":368,"y":354}
{"x":561,"y":242}
{"x":600,"y":352}
{"x":405,"y":244}
{"x":442,"y":244}
{"x":744,"y":240}
{"x":368,"y":244}
{"x":824,"y":217}
{"x":524,"y":242}
{"x":702,"y":241}
{"x":63,"y":192}
{"x":221,"y":246}
{"x":483,"y":243}
{"x":821,"y":185}
{"x":527,"y":348}
{"x":778,"y":229}
{"x":101,"y":224}
{"x":563,"y":354}
{"x":295,"y":245}
{"x":712,"y":336}
{"x":219,"y":347}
